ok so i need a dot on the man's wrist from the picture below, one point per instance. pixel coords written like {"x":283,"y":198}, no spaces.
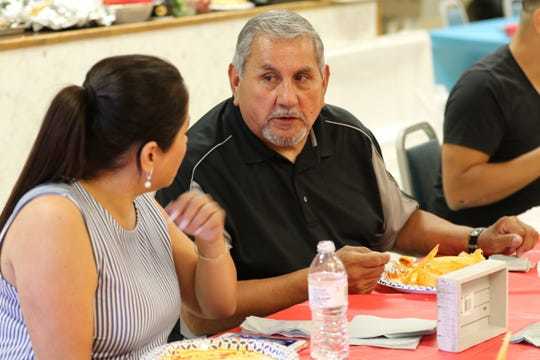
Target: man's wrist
{"x":474,"y":235}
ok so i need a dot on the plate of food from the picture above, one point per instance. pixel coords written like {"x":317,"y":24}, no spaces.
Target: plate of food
{"x":222,"y":348}
{"x":408,"y":274}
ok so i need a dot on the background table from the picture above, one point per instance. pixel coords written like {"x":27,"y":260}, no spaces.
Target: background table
{"x":457,"y":48}
{"x":524,"y":309}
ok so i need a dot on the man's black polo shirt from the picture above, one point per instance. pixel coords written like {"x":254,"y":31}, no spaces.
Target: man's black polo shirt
{"x":277,"y":211}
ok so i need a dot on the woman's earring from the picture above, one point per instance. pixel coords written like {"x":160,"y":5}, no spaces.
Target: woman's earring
{"x":148,"y":182}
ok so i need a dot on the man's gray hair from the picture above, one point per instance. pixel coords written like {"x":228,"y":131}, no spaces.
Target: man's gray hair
{"x":278,"y":24}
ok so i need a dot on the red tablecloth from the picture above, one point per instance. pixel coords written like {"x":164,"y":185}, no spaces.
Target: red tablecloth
{"x":524,"y":309}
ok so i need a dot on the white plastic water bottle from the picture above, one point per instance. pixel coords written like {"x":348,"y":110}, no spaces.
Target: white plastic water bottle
{"x":328,"y":300}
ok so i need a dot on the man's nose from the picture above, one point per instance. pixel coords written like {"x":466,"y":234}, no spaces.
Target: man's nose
{"x":287,"y":95}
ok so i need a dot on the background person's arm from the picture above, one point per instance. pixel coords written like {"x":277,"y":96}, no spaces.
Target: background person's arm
{"x":47,"y":257}
{"x":469,"y":180}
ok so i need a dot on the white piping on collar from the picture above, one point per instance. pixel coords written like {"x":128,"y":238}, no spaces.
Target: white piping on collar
{"x":313,"y":138}
{"x":203,"y":157}
{"x":350,"y":126}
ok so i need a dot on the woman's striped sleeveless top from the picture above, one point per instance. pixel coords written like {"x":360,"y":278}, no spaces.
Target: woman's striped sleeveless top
{"x":137,"y":301}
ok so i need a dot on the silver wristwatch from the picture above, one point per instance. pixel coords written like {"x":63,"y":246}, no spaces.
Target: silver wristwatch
{"x":473,"y":239}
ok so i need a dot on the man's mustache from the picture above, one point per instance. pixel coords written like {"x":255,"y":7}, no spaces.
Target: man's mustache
{"x":286,"y":113}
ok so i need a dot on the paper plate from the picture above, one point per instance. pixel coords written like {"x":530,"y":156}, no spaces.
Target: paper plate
{"x":417,"y":289}
{"x":271,"y":350}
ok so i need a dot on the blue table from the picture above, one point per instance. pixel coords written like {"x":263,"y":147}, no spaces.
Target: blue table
{"x":457,"y":48}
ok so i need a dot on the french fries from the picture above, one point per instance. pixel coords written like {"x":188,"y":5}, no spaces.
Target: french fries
{"x":426,"y":271}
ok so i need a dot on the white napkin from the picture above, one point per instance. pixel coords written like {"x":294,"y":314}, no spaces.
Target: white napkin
{"x":405,"y":343}
{"x":289,"y":328}
{"x":531,"y":217}
{"x":530,"y":334}
{"x":513,"y":263}
{"x":404,"y":333}
{"x":365,"y":326}
{"x":363,"y":330}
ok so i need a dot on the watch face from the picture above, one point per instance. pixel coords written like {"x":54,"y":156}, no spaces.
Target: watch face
{"x":476,"y":231}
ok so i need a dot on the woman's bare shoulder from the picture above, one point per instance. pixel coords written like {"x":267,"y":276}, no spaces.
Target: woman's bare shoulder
{"x":48,"y":217}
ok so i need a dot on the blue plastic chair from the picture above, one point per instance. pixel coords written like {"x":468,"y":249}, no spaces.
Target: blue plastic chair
{"x":419,"y":165}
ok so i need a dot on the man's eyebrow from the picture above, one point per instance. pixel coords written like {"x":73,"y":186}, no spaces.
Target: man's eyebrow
{"x":268,"y":67}
{"x":305,"y":69}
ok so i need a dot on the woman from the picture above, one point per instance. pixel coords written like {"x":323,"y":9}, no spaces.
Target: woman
{"x":90,"y":265}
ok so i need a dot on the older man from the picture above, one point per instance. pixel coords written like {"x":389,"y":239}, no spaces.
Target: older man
{"x":291,"y":171}
{"x":491,"y":151}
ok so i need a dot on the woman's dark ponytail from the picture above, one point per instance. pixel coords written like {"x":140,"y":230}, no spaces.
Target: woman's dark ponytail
{"x":125,"y":102}
{"x":58,"y":153}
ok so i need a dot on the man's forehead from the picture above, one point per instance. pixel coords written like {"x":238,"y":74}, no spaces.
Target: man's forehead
{"x":267,"y":40}
{"x":266,"y":51}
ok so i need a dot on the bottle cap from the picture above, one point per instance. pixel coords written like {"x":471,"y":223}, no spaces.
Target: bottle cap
{"x":326,"y":246}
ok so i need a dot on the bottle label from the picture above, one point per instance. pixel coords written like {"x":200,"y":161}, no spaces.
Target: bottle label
{"x":329,"y":294}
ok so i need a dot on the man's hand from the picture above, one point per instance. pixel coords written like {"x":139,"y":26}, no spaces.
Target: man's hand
{"x":364,"y":267}
{"x":508,"y":236}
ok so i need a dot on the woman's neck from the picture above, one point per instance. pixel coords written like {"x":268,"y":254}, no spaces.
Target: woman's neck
{"x":116,"y":193}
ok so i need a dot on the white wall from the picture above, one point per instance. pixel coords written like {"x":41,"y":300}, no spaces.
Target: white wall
{"x":387,"y":83}
{"x":30,"y":77}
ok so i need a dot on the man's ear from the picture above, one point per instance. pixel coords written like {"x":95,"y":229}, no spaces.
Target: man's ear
{"x":234,"y":81}
{"x":326,"y":78}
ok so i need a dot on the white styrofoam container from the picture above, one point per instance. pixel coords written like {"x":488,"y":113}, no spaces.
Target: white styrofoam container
{"x":472,"y":305}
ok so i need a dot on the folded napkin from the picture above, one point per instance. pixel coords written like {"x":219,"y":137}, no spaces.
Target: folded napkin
{"x":530,"y":334}
{"x":363,"y":330}
{"x":365,"y":326}
{"x":513,"y":263}
{"x":404,"y":343}
{"x":531,"y":217}
{"x":289,"y":328}
{"x":404,"y":333}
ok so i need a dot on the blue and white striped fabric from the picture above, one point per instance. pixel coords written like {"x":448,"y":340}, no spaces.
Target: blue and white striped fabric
{"x":137,"y":301}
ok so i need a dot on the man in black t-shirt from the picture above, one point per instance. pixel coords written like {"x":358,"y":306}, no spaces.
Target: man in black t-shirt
{"x":290,"y":170}
{"x":491,"y":154}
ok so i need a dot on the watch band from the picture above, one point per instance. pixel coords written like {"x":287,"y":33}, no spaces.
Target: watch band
{"x":473,"y":239}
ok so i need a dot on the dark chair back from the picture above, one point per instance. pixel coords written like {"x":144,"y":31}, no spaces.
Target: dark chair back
{"x":419,"y":165}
